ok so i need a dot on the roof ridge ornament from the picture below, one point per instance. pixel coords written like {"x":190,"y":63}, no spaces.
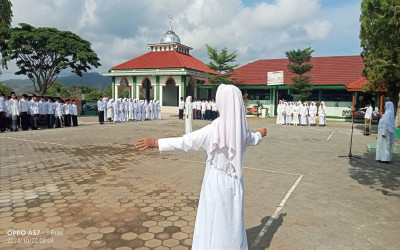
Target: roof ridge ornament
{"x":170,"y":23}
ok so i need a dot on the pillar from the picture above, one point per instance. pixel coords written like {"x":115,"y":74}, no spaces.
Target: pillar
{"x":113,"y":87}
{"x":352,"y":109}
{"x":273,"y":98}
{"x":182,"y":91}
{"x":320,"y":95}
{"x":116,"y":91}
{"x":157,"y":89}
{"x":134,"y":93}
{"x":137,"y":91}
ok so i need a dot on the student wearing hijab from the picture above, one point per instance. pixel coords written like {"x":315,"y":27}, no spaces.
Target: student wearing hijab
{"x":288,"y":114}
{"x":188,"y":115}
{"x":313,"y":114}
{"x":296,"y":110}
{"x":322,"y":114}
{"x":110,"y":111}
{"x":220,"y":218}
{"x":386,"y":134}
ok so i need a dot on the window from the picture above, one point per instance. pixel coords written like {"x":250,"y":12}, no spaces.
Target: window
{"x":258,"y":94}
{"x":341,"y":95}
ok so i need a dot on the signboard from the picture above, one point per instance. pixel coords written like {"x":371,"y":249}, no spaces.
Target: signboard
{"x":275,"y":78}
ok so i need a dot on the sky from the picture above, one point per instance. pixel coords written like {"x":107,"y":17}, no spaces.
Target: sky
{"x":120,"y":29}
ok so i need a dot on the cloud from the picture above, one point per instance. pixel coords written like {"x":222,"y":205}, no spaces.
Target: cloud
{"x":119,"y":30}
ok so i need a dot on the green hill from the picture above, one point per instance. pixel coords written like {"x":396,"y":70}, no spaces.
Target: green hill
{"x":93,"y":80}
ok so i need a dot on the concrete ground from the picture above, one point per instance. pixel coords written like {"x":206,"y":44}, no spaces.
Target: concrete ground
{"x":88,"y":187}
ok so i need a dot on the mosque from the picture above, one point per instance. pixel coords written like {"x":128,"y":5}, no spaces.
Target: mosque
{"x":168,"y":72}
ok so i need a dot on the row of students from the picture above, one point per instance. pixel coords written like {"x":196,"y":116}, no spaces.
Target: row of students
{"x":297,"y":113}
{"x":201,"y":109}
{"x":22,"y":112}
{"x":126,"y":110}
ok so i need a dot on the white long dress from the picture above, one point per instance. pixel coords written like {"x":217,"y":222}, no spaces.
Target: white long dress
{"x":387,"y":128}
{"x":296,"y":115}
{"x":220,"y":218}
{"x":188,"y":116}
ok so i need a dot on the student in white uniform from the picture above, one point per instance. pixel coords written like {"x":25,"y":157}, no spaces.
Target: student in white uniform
{"x":313,"y":114}
{"x":303,"y":114}
{"x":110,"y":111}
{"x":13,"y":110}
{"x":34,"y":112}
{"x":2,"y":113}
{"x":24,"y":112}
{"x":100,"y":110}
{"x":220,"y":217}
{"x":386,"y":134}
{"x":322,"y":114}
{"x":181,"y":108}
{"x":74,"y":113}
{"x":296,"y":110}
{"x":58,"y":114}
{"x":116,"y":110}
{"x":367,"y":119}
{"x":188,"y":115}
{"x":288,"y":114}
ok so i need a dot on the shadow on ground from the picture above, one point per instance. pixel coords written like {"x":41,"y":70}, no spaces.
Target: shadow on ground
{"x":383,"y":177}
{"x":265,"y":241}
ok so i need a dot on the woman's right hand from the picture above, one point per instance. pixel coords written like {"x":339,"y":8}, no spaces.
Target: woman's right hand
{"x":262,"y":131}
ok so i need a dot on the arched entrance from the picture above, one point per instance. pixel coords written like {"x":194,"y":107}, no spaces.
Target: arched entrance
{"x":170,"y":93}
{"x":190,"y":88}
{"x":124,"y":89}
{"x":145,"y":90}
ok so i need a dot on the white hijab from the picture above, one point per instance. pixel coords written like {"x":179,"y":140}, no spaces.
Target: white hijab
{"x":188,"y":102}
{"x":387,"y":119}
{"x":229,"y":130}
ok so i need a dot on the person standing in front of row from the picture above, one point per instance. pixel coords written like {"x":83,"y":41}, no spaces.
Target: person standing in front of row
{"x":24,"y":112}
{"x":100,"y":110}
{"x":367,"y":119}
{"x":2,"y":113}
{"x":34,"y":112}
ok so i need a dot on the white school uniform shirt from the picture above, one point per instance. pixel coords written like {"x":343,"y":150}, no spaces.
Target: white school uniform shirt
{"x":74,"y":109}
{"x":181,"y":104}
{"x":13,"y":107}
{"x":58,"y":109}
{"x":203,"y":107}
{"x":198,"y":105}
{"x":368,"y":113}
{"x":7,"y":111}
{"x":2,"y":104}
{"x":214,"y":106}
{"x":34,"y":108}
{"x":23,"y":106}
{"x":50,"y":108}
{"x":67,"y":109}
{"x":100,"y":105}
{"x":208,"y":105}
{"x":42,"y":108}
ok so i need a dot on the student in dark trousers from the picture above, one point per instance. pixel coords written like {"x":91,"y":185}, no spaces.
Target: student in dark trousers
{"x":23,"y":109}
{"x":100,"y":110}
{"x":74,"y":113}
{"x":2,"y":113}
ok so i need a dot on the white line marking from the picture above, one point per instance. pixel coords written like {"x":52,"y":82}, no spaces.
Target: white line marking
{"x":331,"y":134}
{"x":276,"y":213}
{"x":24,"y":163}
{"x":272,"y":171}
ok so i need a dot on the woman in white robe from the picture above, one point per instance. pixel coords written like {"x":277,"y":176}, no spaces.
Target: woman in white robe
{"x":279,"y":112}
{"x":296,"y":110}
{"x":139,"y":110}
{"x":188,"y":115}
{"x":322,"y":114}
{"x":151,"y":108}
{"x":313,"y":114}
{"x":116,"y":110}
{"x":220,"y":217}
{"x":307,"y":114}
{"x":134,"y":110}
{"x":288,"y":120}
{"x":386,"y":134}
{"x":110,"y":111}
{"x":158,"y":110}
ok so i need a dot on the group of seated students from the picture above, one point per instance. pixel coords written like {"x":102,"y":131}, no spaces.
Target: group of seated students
{"x":36,"y":112}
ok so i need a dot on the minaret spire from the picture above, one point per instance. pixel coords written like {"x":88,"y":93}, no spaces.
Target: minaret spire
{"x":170,"y":23}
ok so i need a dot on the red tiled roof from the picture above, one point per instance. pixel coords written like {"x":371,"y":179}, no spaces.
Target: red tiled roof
{"x":333,"y":70}
{"x":165,"y":59}
{"x":356,"y":85}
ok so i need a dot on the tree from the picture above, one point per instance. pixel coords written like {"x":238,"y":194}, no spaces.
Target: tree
{"x":5,"y":89}
{"x":5,"y":14}
{"x":220,"y":62}
{"x":52,"y":91}
{"x":108,"y":91}
{"x":299,"y":64}
{"x":380,"y":40}
{"x":42,"y":53}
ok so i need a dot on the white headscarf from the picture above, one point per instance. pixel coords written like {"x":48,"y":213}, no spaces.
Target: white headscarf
{"x":229,"y":130}
{"x":387,"y":119}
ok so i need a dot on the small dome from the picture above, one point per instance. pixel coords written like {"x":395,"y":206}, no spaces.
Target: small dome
{"x":170,"y":37}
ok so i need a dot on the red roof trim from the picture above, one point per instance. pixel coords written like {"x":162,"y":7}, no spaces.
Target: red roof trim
{"x":165,"y":59}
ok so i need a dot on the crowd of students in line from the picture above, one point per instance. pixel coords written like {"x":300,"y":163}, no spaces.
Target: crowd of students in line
{"x":36,"y":112}
{"x":126,"y":110}
{"x":201,"y":109}
{"x":298,"y":113}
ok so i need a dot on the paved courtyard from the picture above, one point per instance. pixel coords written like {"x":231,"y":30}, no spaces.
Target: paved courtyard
{"x":88,"y":187}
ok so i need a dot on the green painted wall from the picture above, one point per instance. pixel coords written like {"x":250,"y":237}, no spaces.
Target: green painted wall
{"x":183,"y":86}
{"x":113,"y":88}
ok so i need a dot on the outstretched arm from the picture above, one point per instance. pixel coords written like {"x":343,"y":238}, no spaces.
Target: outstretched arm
{"x":146,"y":143}
{"x":255,"y":138}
